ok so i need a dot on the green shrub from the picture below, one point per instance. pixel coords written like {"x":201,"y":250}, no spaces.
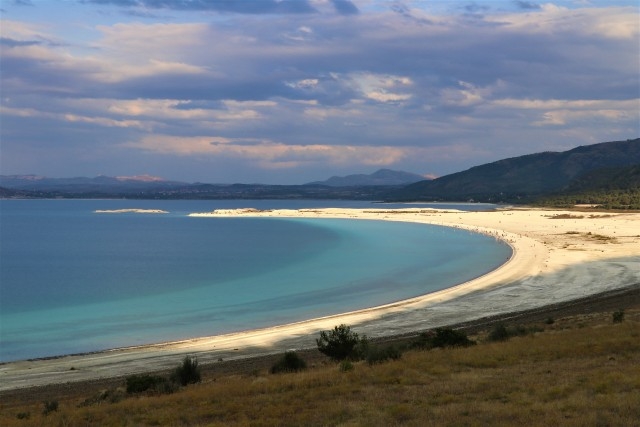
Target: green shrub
{"x":379,"y":354}
{"x":499,"y":333}
{"x":23,"y":415}
{"x":140,"y":384}
{"x":361,"y":349}
{"x":549,"y":321}
{"x":446,"y":337}
{"x":346,"y":366}
{"x":502,"y":333}
{"x":618,"y":316}
{"x":50,"y":406}
{"x":188,"y":372}
{"x":340,"y":343}
{"x":290,"y":362}
{"x":442,"y":337}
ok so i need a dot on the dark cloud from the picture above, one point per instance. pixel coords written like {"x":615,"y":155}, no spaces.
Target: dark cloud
{"x":529,"y":5}
{"x":476,"y":8}
{"x":345,"y":7}
{"x":5,"y":41}
{"x":229,"y":6}
{"x":404,"y":11}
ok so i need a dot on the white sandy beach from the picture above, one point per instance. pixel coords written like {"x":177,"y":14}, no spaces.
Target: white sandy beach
{"x":558,"y":256}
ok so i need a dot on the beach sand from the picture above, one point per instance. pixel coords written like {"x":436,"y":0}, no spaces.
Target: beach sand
{"x":557,"y":256}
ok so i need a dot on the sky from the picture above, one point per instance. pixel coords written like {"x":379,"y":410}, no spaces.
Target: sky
{"x":293,"y":91}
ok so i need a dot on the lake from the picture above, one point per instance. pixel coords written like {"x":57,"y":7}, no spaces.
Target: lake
{"x":72,"y":280}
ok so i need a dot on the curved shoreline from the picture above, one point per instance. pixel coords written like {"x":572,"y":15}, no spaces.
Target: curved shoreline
{"x":556,"y":257}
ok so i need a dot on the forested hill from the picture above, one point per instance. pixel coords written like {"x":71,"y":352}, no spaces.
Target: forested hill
{"x":527,"y":177}
{"x":612,"y":188}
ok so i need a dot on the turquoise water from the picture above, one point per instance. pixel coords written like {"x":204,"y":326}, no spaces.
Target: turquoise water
{"x":75,"y":281}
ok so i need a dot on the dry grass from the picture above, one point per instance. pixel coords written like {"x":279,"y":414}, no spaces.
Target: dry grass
{"x":582,"y":370}
{"x":565,"y":216}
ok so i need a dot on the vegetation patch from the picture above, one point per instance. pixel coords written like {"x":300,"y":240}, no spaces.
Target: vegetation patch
{"x":290,"y":362}
{"x":500,"y":332}
{"x":143,"y":383}
{"x":442,"y":337}
{"x":565,"y":216}
{"x":380,"y":354}
{"x":618,"y":316}
{"x":188,"y":372}
{"x":49,"y":407}
{"x":582,"y":372}
{"x":341,"y":343}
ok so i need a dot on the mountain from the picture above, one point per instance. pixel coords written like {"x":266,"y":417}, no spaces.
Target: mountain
{"x":82,"y":185}
{"x":525,"y":177}
{"x":32,"y":186}
{"x":380,"y":177}
{"x":601,"y":173}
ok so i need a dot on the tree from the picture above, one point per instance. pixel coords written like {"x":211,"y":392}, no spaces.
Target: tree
{"x":340,"y":343}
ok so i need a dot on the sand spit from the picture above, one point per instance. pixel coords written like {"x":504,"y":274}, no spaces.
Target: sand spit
{"x":558,"y":256}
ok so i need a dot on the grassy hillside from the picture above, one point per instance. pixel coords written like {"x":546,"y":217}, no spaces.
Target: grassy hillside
{"x":573,"y":371}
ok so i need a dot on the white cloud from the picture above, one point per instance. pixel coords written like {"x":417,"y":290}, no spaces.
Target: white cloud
{"x":74,"y":118}
{"x":270,"y":153}
{"x":613,"y":22}
{"x":562,"y":112}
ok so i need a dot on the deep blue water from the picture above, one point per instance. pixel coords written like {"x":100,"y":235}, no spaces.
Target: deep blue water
{"x":75,"y":281}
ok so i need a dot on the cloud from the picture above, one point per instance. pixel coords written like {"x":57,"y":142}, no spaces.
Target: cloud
{"x":405,"y":84}
{"x":527,"y":5}
{"x":476,"y":8}
{"x":73,"y":118}
{"x":269,"y":154}
{"x":6,"y":41}
{"x":345,"y":7}
{"x":228,"y":6}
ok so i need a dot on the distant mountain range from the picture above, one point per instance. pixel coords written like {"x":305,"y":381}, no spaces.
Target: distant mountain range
{"x":83,"y":184}
{"x":546,"y":178}
{"x":380,"y":177}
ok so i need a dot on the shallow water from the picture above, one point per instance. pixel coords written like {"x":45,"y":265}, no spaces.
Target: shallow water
{"x":75,"y":281}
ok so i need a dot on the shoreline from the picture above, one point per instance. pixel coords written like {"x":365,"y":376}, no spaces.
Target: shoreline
{"x":557,"y":256}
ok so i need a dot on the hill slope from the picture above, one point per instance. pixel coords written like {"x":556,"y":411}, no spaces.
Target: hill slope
{"x":524,"y":177}
{"x":612,"y":188}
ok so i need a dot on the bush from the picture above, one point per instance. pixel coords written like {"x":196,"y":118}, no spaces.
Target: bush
{"x":377,"y":354}
{"x":442,"y":337}
{"x":50,"y":406}
{"x":142,"y":383}
{"x":618,"y":316}
{"x":499,"y":333}
{"x":188,"y":372}
{"x":290,"y":362}
{"x":346,"y":366}
{"x":446,"y":337}
{"x":340,"y":343}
